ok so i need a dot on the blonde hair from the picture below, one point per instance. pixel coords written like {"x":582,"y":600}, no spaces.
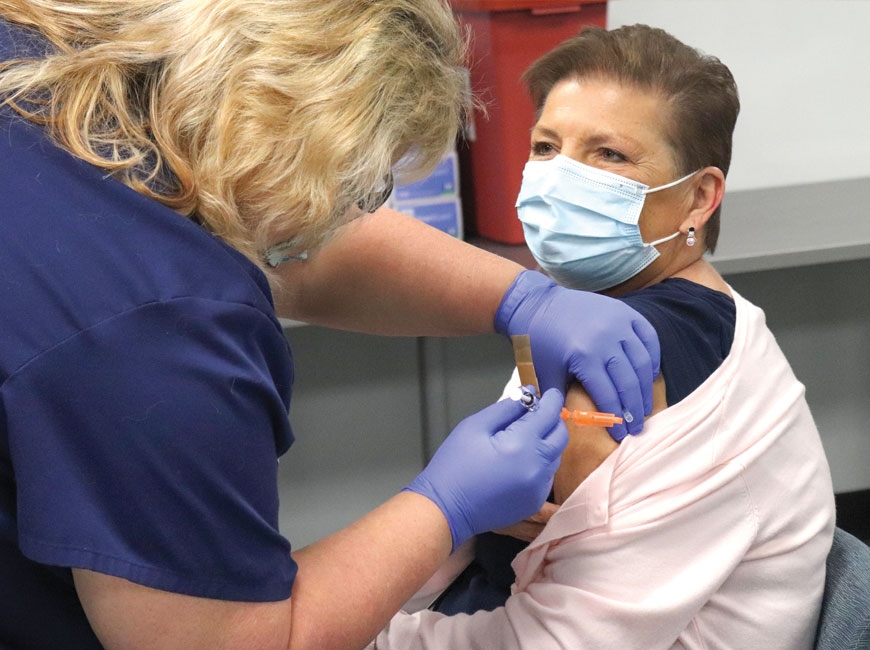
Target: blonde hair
{"x":258,"y":118}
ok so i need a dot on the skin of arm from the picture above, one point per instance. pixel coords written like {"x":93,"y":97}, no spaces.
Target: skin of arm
{"x":589,"y":446}
{"x":347,"y":587}
{"x":528,"y":529}
{"x":388,"y":273}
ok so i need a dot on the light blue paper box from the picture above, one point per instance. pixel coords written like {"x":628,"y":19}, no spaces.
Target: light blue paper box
{"x":443,"y":215}
{"x":434,"y":199}
{"x":442,"y":182}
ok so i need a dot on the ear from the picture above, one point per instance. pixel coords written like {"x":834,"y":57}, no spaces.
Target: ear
{"x":709,"y":188}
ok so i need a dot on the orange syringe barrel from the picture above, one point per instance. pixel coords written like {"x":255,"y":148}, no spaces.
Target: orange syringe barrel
{"x":590,"y":418}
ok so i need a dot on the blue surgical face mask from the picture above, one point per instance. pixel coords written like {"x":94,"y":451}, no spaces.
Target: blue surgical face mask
{"x":581,"y":223}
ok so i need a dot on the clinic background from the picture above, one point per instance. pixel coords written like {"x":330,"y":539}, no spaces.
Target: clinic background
{"x":367,"y":411}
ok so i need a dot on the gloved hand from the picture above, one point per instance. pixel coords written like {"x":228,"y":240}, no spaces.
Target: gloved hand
{"x":496,"y":467}
{"x":606,"y":345}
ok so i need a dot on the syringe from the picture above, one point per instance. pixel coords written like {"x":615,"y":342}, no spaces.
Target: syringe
{"x":590,"y":418}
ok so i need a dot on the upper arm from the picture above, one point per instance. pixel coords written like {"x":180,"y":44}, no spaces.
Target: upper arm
{"x":350,"y":583}
{"x":125,"y":615}
{"x":390,"y":273}
{"x":588,"y":446}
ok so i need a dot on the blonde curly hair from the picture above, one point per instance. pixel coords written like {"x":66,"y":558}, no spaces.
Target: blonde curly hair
{"x":261,"y":119}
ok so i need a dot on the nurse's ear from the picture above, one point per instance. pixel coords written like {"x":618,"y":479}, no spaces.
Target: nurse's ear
{"x":708,"y":190}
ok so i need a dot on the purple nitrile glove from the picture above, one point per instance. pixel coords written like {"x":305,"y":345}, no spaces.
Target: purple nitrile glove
{"x":497,"y":466}
{"x":606,"y":345}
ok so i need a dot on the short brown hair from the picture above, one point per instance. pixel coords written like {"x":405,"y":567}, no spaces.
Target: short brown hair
{"x":699,"y":88}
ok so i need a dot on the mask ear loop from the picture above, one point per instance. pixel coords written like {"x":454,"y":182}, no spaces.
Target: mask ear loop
{"x":283,"y":252}
{"x":662,"y":240}
{"x":671,"y":184}
{"x":659,"y":189}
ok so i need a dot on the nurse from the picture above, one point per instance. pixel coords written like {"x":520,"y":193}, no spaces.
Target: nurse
{"x":175,"y":174}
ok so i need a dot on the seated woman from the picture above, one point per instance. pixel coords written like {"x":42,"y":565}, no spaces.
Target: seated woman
{"x":711,"y":528}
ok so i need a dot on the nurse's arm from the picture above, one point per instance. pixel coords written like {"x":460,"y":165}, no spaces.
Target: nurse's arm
{"x":348,"y":587}
{"x":389,"y":273}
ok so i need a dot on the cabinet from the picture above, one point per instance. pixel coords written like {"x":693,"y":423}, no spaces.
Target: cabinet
{"x":507,"y":36}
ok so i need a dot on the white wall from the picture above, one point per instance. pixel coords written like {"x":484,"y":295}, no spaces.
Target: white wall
{"x":803,"y":71}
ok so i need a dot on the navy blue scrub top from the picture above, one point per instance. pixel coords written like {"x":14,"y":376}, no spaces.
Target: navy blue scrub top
{"x":144,"y":392}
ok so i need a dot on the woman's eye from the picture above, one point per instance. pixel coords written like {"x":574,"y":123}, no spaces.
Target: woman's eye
{"x":612,"y":155}
{"x":542,"y":149}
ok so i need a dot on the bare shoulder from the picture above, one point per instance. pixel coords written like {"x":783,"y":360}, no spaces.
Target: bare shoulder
{"x":588,"y":447}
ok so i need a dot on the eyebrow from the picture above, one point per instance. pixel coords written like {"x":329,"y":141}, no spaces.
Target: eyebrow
{"x":543,"y":130}
{"x":595,"y":140}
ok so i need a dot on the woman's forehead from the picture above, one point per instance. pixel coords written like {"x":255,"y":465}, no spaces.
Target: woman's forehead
{"x":597,"y":107}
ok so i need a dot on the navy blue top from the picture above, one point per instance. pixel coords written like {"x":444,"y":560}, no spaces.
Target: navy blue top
{"x":695,"y":326}
{"x":144,"y":391}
